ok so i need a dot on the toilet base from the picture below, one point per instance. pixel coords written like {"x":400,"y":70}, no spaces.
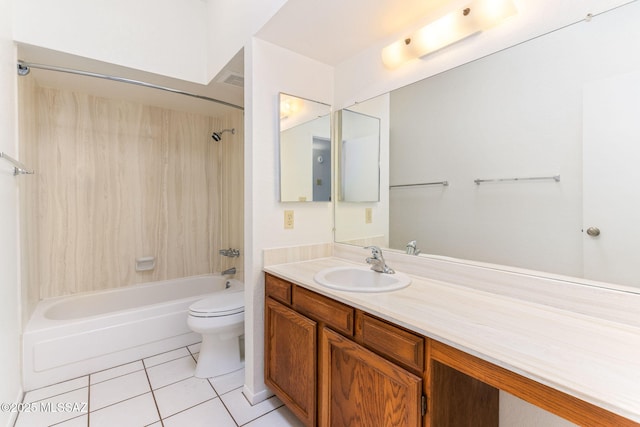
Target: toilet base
{"x":219,"y":356}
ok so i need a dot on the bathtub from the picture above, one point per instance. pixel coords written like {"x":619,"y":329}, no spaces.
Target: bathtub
{"x":72,"y":336}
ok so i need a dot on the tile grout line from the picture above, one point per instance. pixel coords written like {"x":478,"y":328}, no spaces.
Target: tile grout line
{"x":265,"y":414}
{"x":54,"y":395}
{"x":190,"y":407}
{"x":251,"y":405}
{"x":117,"y":376}
{"x":146,"y":368}
{"x":89,"y":401}
{"x":153,"y":395}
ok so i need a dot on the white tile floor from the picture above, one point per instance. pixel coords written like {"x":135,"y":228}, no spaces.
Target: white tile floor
{"x":159,"y":391}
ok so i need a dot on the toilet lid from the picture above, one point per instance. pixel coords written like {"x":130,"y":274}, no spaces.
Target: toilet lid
{"x":221,"y":304}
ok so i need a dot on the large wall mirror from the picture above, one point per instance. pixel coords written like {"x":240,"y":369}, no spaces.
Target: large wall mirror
{"x":305,"y":150}
{"x":526,"y":158}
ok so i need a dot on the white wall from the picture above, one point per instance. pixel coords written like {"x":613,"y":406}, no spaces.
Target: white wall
{"x":190,"y":40}
{"x":10,"y":366}
{"x":166,"y":37}
{"x":234,"y":22}
{"x":269,"y":70}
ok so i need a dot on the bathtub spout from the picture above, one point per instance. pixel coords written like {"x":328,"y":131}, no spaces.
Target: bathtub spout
{"x":231,"y":270}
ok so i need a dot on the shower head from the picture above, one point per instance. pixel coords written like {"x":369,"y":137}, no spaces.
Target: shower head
{"x":23,"y":69}
{"x":217,"y":136}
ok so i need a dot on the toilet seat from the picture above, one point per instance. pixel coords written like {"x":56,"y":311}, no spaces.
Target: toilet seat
{"x":221,"y":304}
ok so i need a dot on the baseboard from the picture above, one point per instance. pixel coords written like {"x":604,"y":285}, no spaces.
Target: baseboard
{"x":13,"y":416}
{"x":256,"y":397}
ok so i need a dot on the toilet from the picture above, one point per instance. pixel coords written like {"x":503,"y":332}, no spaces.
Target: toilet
{"x":220,"y":320}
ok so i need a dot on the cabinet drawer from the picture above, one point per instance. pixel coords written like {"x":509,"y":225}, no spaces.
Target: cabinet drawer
{"x":391,"y":341}
{"x":333,"y":313}
{"x":278,"y":289}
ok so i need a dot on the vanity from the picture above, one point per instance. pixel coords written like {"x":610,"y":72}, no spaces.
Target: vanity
{"x":437,"y":352}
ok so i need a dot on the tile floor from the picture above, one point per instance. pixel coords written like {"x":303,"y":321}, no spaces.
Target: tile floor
{"x":158,"y":391}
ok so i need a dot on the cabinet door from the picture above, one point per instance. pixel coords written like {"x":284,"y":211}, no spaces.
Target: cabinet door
{"x":290,"y":359}
{"x":360,"y":388}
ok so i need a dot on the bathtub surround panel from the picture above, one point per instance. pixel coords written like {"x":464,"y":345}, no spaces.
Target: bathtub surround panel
{"x":117,"y":181}
{"x":227,"y":187}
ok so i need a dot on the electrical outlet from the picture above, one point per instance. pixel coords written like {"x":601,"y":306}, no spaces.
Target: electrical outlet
{"x":288,"y":220}
{"x":368,"y":215}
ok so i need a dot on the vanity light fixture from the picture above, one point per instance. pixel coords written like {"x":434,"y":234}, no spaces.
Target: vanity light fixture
{"x":476,"y":16}
{"x":290,"y":106}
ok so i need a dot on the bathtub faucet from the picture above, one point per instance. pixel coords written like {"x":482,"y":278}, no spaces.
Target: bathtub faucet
{"x":233,"y":253}
{"x":231,"y":270}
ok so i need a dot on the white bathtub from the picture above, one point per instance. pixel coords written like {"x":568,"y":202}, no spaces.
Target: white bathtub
{"x":71,"y":336}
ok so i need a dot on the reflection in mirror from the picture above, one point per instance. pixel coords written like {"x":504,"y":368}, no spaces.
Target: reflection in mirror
{"x":359,"y":168}
{"x":367,"y":222}
{"x":560,"y":104}
{"x":305,"y":150}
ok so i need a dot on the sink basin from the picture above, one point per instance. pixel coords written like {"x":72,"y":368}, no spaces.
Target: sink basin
{"x":360,"y":279}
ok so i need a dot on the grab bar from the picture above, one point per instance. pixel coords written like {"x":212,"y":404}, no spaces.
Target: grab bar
{"x":556,"y":178}
{"x":18,"y":168}
{"x":420,"y":184}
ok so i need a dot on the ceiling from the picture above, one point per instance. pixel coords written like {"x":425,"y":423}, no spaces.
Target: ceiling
{"x":331,"y":31}
{"x":328,"y":31}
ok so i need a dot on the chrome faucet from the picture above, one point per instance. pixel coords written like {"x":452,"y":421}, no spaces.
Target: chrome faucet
{"x":377,"y":261}
{"x":229,"y":271}
{"x":412,"y":248}
{"x":233,"y":253}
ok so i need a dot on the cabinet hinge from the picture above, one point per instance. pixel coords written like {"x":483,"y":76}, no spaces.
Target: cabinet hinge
{"x":423,"y":404}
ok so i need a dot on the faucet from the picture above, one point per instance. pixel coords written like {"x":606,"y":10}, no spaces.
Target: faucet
{"x":233,"y":253}
{"x":412,"y":249}
{"x":377,"y":261}
{"x":229,"y":271}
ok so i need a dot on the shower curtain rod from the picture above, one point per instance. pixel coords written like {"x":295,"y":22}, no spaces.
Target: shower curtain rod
{"x":24,"y":68}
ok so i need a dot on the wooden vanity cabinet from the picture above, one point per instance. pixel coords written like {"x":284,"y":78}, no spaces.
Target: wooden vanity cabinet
{"x":360,"y":388}
{"x":290,"y":359}
{"x":290,"y":352}
{"x":334,"y":366}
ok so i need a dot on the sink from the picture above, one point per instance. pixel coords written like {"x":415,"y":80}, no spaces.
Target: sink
{"x":360,"y":279}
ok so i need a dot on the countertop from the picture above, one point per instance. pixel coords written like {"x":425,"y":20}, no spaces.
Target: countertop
{"x":592,"y":354}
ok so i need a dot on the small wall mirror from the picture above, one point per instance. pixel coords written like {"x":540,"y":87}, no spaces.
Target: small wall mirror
{"x":305,"y":150}
{"x":359,"y":149}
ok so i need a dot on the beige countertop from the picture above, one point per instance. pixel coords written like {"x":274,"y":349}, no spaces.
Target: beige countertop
{"x":581,"y":340}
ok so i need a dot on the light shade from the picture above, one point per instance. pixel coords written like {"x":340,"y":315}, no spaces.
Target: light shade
{"x":477,"y":16}
{"x":289,"y":105}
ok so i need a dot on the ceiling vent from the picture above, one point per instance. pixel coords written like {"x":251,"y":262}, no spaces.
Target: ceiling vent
{"x":231,"y":78}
